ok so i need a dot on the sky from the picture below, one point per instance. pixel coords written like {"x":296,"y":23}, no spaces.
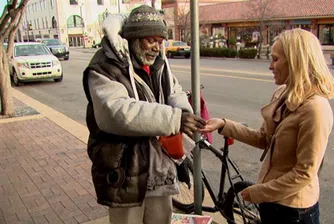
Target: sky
{"x":2,"y":5}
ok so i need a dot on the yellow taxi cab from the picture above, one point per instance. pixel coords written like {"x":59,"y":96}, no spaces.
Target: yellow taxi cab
{"x":177,"y":48}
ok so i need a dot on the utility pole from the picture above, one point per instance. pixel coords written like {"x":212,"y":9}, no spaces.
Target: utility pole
{"x":119,"y":5}
{"x":82,"y":25}
{"x":27,"y":25}
{"x":195,"y":87}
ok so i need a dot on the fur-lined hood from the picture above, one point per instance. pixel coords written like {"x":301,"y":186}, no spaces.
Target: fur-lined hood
{"x":113,"y":44}
{"x":117,"y":48}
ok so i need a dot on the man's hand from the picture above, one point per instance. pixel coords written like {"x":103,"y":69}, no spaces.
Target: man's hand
{"x":191,"y":123}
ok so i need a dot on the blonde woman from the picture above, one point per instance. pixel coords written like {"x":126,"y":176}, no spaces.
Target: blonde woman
{"x":295,"y":131}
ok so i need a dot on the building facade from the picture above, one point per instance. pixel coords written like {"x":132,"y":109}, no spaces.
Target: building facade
{"x":244,"y":20}
{"x":177,"y":16}
{"x":74,"y":22}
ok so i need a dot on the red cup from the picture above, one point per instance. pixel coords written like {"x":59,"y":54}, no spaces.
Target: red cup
{"x":173,"y":145}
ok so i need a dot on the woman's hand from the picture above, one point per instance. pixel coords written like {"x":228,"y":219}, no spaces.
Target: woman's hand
{"x":245,"y":194}
{"x":212,"y":125}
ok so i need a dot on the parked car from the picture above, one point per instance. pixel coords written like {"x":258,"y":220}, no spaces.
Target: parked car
{"x":57,"y":48}
{"x":34,"y":62}
{"x":177,"y":48}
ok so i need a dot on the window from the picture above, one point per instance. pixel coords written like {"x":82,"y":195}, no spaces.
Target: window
{"x":170,"y":34}
{"x":100,"y":2}
{"x":326,"y":34}
{"x":51,"y":42}
{"x":54,"y":22}
{"x":43,"y":23}
{"x":38,"y":23}
{"x":52,"y":3}
{"x":218,"y":30}
{"x":30,"y":50}
{"x":113,"y":2}
{"x":73,"y":2}
{"x":46,"y":23}
{"x":74,"y":21}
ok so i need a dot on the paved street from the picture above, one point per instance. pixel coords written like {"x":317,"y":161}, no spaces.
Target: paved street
{"x":234,"y":89}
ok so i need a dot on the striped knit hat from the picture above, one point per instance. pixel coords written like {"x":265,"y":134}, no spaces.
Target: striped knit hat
{"x":144,"y":21}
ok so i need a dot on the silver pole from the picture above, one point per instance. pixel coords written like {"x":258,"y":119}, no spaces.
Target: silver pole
{"x":119,"y":6}
{"x":195,"y":86}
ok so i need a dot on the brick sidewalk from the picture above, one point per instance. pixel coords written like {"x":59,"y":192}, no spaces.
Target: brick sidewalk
{"x":44,"y":175}
{"x":45,"y":171}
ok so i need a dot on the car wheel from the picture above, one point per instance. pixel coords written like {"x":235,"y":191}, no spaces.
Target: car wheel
{"x":59,"y":79}
{"x":169,"y":54}
{"x":66,"y":58}
{"x":187,"y":56}
{"x":16,"y":80}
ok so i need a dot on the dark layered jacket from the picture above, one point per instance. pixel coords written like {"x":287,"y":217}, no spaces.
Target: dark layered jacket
{"x":127,"y":110}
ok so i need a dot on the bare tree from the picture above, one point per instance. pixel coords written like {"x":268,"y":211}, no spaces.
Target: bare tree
{"x":10,"y":22}
{"x":153,"y":3}
{"x":261,"y":11}
{"x":181,"y":20}
{"x":99,"y":30}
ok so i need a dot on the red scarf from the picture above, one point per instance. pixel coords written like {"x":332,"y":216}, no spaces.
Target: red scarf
{"x":147,"y":69}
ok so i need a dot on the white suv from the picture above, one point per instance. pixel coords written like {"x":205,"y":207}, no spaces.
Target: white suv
{"x":34,"y":62}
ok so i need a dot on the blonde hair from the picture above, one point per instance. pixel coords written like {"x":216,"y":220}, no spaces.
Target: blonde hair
{"x":308,"y":71}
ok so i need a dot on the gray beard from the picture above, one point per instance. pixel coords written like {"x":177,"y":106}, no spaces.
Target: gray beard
{"x":139,"y":53}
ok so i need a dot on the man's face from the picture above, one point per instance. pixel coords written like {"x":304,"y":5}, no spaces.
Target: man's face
{"x":147,"y":49}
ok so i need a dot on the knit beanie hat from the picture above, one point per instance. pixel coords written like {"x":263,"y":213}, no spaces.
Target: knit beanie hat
{"x":144,"y":21}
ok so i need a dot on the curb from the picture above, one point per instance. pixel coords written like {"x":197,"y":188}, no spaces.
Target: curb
{"x":73,"y":127}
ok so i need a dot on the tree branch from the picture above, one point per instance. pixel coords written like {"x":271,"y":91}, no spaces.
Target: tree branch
{"x":14,"y":19}
{"x":12,"y":33}
{"x":4,"y":13}
{"x":10,"y":9}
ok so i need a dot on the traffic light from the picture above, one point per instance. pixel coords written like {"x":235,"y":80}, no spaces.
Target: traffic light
{"x":30,"y":26}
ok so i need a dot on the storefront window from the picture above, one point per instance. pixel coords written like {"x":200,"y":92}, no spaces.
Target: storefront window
{"x":306,"y":27}
{"x":249,"y":36}
{"x":302,"y":26}
{"x":326,"y":34}
{"x":218,"y":31}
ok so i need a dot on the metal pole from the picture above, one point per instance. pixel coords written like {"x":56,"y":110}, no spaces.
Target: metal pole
{"x":195,"y":86}
{"x":119,"y":6}
{"x":27,"y":27}
{"x":83,"y":26}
